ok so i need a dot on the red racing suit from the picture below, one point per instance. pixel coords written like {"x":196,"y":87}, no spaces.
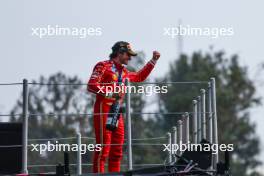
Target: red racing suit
{"x":108,"y":72}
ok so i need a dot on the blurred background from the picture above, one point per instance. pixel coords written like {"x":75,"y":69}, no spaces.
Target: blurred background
{"x":236,"y":61}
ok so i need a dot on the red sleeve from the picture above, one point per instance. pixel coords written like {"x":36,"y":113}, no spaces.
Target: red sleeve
{"x":95,"y":80}
{"x":142,"y":74}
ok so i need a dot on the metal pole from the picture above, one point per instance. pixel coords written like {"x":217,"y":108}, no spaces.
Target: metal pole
{"x":187,"y":130}
{"x":174,"y":135}
{"x":199,"y":132}
{"x":170,"y":151}
{"x":203,"y":114}
{"x":183,"y":129}
{"x":128,"y":116}
{"x":194,"y":122}
{"x":174,"y":140}
{"x":179,"y":134}
{"x":214,"y":116}
{"x":79,"y":155}
{"x":25,"y":127}
{"x":209,"y":119}
{"x":209,"y":107}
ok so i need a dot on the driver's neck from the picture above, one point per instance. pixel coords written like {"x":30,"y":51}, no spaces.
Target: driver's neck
{"x":117,"y":62}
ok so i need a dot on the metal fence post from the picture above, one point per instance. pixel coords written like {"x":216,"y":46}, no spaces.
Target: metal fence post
{"x":174,"y":135}
{"x":183,"y":129}
{"x":186,"y":128}
{"x":194,"y":122}
{"x":203,"y":117}
{"x":209,"y":119}
{"x":79,"y":155}
{"x":169,"y":143}
{"x":214,"y":116}
{"x":179,"y":134}
{"x":174,"y":140}
{"x":199,"y":132}
{"x":128,"y":116}
{"x":25,"y":128}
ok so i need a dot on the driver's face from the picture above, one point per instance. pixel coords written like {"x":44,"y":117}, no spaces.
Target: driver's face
{"x":124,"y":58}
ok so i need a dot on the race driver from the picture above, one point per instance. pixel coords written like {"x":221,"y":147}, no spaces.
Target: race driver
{"x":107,"y":73}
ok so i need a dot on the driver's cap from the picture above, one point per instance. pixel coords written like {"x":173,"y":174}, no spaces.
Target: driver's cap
{"x":122,"y":46}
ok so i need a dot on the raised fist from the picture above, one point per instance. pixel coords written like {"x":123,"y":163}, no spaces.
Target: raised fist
{"x":156,"y":55}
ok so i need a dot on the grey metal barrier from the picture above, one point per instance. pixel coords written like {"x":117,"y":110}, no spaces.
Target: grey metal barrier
{"x":204,"y":124}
